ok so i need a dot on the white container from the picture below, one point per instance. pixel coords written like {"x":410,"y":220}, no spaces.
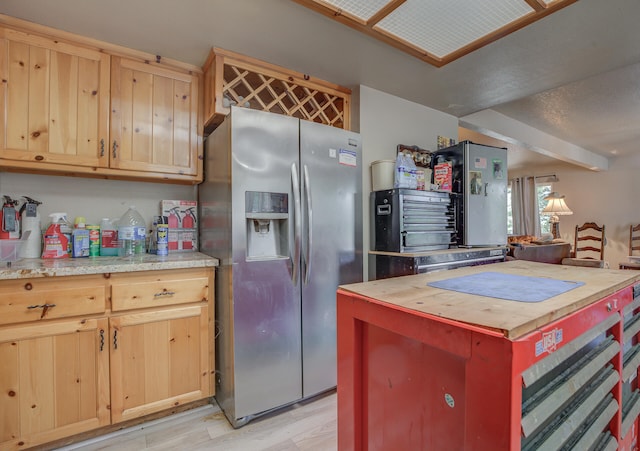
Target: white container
{"x":33,"y":245}
{"x":10,"y":249}
{"x":382,"y":174}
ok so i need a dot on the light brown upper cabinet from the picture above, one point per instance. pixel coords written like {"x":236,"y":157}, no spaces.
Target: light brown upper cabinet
{"x":80,"y":107}
{"x":55,"y":99}
{"x":154,"y":117}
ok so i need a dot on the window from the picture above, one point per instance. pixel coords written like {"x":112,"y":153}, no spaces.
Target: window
{"x":543,"y":191}
{"x":545,"y":221}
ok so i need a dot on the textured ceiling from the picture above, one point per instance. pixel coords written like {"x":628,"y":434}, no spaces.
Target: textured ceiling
{"x":600,"y":113}
{"x":572,"y":74}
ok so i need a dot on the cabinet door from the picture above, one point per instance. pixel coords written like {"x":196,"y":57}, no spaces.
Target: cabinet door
{"x":53,"y":381}
{"x":54,"y":102}
{"x":154,"y":114}
{"x":159,"y":360}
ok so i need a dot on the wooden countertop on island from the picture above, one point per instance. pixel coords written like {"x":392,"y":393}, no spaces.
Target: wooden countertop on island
{"x":511,"y":318}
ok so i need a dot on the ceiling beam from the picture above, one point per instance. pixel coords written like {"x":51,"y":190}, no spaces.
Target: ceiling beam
{"x":538,"y":5}
{"x":384,"y":12}
{"x":499,"y":126}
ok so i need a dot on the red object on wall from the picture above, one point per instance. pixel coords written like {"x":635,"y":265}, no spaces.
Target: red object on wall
{"x":188,"y":222}
{"x":408,"y":380}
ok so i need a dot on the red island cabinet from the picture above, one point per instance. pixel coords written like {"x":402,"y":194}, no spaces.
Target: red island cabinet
{"x":424,"y":368}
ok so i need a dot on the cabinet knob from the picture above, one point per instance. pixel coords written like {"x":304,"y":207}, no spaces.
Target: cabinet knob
{"x":28,"y":286}
{"x":115,"y":147}
{"x":102,"y":147}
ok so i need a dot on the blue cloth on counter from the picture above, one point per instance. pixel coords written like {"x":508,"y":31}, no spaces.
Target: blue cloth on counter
{"x":507,"y":286}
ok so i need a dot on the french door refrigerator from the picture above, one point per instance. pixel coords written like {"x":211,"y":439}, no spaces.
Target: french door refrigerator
{"x":281,"y":208}
{"x":479,"y":187}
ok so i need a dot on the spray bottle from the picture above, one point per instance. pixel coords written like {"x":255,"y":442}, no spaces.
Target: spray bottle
{"x":30,"y":220}
{"x":57,"y":237}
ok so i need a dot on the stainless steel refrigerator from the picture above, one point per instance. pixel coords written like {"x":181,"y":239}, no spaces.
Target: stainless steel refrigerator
{"x":479,"y":192}
{"x":281,"y":207}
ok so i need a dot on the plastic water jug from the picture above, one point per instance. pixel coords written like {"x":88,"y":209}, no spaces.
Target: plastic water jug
{"x":132,"y":233}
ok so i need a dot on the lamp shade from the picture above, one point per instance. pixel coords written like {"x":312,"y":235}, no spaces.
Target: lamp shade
{"x":556,"y":205}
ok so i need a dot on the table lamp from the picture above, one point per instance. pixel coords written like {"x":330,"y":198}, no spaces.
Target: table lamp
{"x":555,"y":207}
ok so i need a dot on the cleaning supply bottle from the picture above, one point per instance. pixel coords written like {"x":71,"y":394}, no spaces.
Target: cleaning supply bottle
{"x":109,"y":245}
{"x":80,"y":238}
{"x":56,"y":242}
{"x":67,"y":230}
{"x":132,"y":233}
{"x":30,"y":219}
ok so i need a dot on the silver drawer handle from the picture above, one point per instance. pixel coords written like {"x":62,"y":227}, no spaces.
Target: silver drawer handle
{"x":164,"y":293}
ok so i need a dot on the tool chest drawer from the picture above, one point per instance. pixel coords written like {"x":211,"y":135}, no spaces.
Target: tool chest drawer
{"x":159,"y":288}
{"x":42,"y":299}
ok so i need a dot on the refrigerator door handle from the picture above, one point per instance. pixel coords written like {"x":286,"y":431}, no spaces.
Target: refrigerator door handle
{"x":297,"y":228}
{"x":486,"y":189}
{"x":307,"y":189}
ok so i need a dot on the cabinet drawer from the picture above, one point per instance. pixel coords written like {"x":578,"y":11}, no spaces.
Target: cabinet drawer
{"x":39,"y":299}
{"x":159,"y":288}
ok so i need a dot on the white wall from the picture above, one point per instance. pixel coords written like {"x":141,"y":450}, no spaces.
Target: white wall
{"x":384,"y":121}
{"x":92,"y":198}
{"x":610,"y":197}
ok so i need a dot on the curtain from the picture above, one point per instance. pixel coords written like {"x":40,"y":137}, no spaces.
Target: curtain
{"x":524,"y":206}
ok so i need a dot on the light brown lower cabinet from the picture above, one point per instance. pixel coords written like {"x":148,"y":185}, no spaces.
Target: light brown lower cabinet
{"x":149,"y":349}
{"x":54,"y":381}
{"x":159,"y":360}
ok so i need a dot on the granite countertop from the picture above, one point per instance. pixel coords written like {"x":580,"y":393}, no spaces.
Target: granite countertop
{"x":36,"y":267}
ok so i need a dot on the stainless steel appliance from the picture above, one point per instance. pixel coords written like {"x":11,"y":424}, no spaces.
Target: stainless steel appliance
{"x":407,"y":220}
{"x":391,"y":264}
{"x":479,"y":182}
{"x":281,"y":207}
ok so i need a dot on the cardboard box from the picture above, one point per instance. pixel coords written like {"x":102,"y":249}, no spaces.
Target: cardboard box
{"x":183,"y":224}
{"x":442,"y":175}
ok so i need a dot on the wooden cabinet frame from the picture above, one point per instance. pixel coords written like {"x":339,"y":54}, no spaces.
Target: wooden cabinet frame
{"x":232,"y":78}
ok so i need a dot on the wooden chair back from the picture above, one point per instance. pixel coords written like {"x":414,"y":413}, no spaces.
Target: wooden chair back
{"x":634,"y":239}
{"x":589,"y":241}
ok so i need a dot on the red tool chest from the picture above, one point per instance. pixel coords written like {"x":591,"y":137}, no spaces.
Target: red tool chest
{"x":409,"y":380}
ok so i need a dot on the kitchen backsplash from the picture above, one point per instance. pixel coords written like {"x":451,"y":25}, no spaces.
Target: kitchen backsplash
{"x":92,"y":198}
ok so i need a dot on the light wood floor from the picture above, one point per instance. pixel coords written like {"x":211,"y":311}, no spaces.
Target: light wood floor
{"x":305,"y":426}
